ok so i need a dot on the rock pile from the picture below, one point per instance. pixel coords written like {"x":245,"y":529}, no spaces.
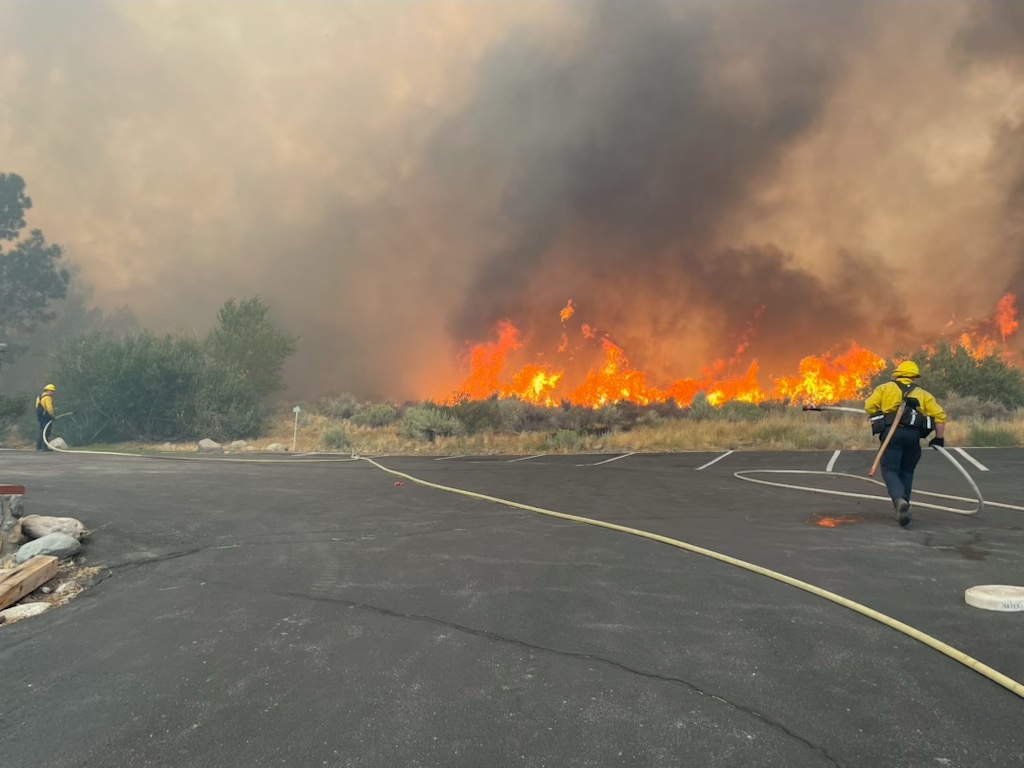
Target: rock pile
{"x":30,"y":548}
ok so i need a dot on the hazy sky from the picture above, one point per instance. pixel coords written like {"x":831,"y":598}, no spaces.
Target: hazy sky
{"x":397,"y":176}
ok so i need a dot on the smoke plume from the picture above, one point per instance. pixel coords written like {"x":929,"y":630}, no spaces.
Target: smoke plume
{"x":398,"y":177}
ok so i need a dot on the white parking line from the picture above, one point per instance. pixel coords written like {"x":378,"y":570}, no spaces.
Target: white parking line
{"x":526,"y":458}
{"x":449,"y":458}
{"x":713,"y":461}
{"x":832,"y":461}
{"x":614,"y":458}
{"x":971,"y":459}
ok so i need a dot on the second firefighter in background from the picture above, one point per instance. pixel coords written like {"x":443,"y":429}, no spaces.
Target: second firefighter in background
{"x":44,"y":412}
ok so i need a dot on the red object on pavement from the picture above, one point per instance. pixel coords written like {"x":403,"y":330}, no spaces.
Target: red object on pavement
{"x":399,"y":483}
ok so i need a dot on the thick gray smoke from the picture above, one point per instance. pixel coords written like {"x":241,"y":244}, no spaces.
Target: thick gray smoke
{"x":994,"y":42}
{"x":396,"y":177}
{"x":624,"y":156}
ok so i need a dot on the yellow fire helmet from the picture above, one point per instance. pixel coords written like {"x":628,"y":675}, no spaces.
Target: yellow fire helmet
{"x":49,"y":388}
{"x":906,"y":370}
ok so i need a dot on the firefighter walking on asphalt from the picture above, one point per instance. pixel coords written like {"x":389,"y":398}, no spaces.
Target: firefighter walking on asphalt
{"x":921,"y":415}
{"x":44,"y":412}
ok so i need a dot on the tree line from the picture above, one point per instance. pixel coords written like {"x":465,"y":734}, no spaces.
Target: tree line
{"x":117,"y":381}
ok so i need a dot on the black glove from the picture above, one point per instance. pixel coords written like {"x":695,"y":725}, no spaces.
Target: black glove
{"x":937,"y":441}
{"x":913,"y":402}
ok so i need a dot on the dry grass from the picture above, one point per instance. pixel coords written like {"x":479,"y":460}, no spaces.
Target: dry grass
{"x":784,"y":430}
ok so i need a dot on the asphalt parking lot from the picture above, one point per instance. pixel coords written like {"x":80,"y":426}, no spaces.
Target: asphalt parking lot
{"x":298,"y":614}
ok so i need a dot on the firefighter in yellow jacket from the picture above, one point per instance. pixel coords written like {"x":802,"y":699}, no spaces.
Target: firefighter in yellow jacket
{"x":44,"y":412}
{"x":921,"y":416}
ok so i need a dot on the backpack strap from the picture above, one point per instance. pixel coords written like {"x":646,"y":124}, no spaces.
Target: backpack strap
{"x":913,"y":417}
{"x":906,"y":389}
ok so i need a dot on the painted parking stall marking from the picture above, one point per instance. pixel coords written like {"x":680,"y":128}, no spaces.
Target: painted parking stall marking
{"x":832,"y":461}
{"x":971,"y":459}
{"x":714,"y":461}
{"x":606,"y":461}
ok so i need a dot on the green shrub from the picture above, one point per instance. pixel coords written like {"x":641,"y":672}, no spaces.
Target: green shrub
{"x":626,"y":415}
{"x":477,"y":415}
{"x":343,"y":406}
{"x":564,"y":440}
{"x":427,"y":422}
{"x":700,"y":409}
{"x":375,"y":416}
{"x":650,"y":418}
{"x":512,"y":416}
{"x":737,"y":410}
{"x":147,"y":387}
{"x":667,"y":410}
{"x":992,"y":437}
{"x":336,"y":438}
{"x":515,"y":416}
{"x":247,"y":344}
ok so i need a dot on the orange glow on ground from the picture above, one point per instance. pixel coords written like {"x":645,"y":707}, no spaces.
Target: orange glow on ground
{"x":827,"y":521}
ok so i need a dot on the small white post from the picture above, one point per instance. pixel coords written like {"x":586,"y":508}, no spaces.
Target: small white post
{"x":295,"y":437}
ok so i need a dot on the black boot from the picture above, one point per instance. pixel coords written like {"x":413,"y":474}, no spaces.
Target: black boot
{"x":903,"y":512}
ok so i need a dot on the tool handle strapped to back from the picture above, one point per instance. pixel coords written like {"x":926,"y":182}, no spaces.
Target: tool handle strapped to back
{"x":888,"y":437}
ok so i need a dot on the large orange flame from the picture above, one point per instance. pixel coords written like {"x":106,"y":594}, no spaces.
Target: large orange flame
{"x":1006,"y":316}
{"x":988,"y":338}
{"x":828,"y":378}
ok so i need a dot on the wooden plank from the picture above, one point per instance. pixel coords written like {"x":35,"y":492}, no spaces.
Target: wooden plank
{"x":12,"y":490}
{"x":26,"y":578}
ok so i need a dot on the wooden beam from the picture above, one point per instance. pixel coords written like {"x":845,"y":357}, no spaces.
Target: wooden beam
{"x":12,"y":490}
{"x":26,"y":578}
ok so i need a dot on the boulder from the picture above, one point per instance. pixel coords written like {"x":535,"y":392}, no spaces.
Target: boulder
{"x":239,"y":445}
{"x":23,"y":611}
{"x":206,"y":445}
{"x":58,"y":442}
{"x":57,"y":544}
{"x":36,"y":526}
{"x":276,"y":448}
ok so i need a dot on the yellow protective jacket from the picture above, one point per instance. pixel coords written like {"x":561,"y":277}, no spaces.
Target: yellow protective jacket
{"x":45,"y":402}
{"x":887,"y":397}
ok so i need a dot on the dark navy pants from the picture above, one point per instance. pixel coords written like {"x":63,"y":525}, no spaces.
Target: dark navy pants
{"x":899,"y":462}
{"x":44,"y":420}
